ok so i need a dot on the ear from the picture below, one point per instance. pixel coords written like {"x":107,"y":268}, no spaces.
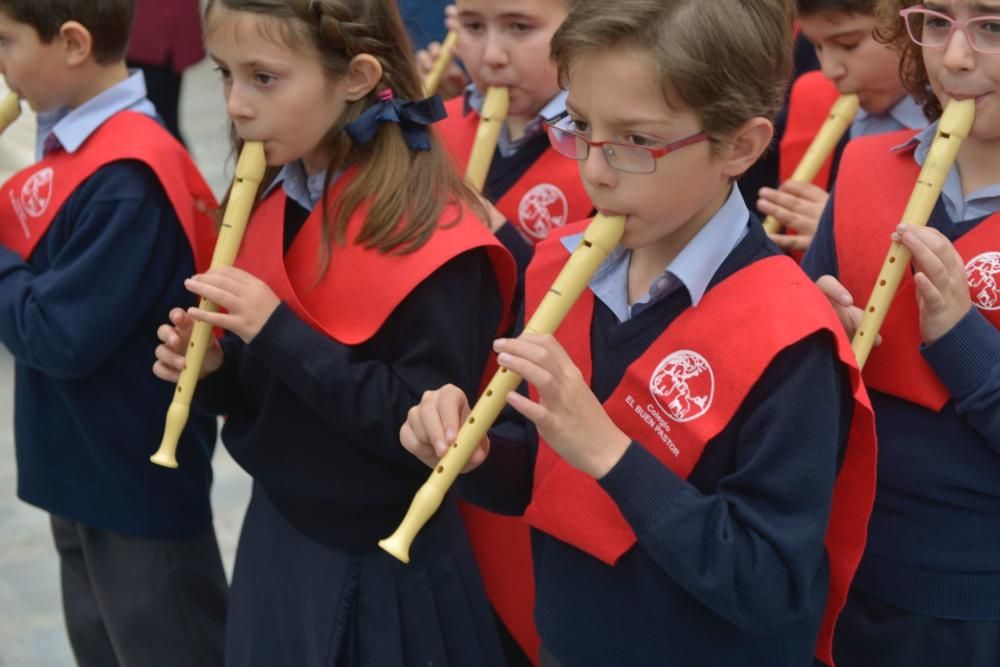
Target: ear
{"x":363,"y":74}
{"x":78,"y":43}
{"x":746,"y":145}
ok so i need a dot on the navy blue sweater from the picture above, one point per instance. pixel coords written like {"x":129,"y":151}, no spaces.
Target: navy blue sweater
{"x":729,"y":568}
{"x":934,"y":540}
{"x":504,"y":174}
{"x":316,"y":423}
{"x":80,"y":318}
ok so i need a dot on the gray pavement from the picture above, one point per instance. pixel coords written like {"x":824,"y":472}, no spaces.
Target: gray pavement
{"x":31,"y":628}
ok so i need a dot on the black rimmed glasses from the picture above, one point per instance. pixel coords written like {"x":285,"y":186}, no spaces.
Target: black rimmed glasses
{"x":628,"y":158}
{"x":933,"y":30}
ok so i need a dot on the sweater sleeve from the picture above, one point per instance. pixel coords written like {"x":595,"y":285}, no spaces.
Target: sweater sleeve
{"x":220,"y":393}
{"x":967,"y":361}
{"x":442,"y":333}
{"x":821,"y":258}
{"x":503,"y":483}
{"x":750,"y":548}
{"x":113,"y":245}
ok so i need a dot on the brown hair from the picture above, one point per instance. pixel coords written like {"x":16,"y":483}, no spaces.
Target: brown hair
{"x":108,"y":21}
{"x":727,"y":60}
{"x":404,"y":191}
{"x":891,"y":30}
{"x":844,"y":6}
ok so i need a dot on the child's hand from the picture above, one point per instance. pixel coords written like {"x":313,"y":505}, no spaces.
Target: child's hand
{"x":453,"y":82}
{"x":433,"y":424}
{"x":174,"y":342}
{"x":797,"y":206}
{"x":942,"y":285}
{"x":842,"y":301}
{"x":248,"y":300}
{"x":568,"y":415}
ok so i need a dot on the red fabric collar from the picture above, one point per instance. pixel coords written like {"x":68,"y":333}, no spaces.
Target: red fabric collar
{"x":862,"y":227}
{"x":673,"y":400}
{"x":34,"y":196}
{"x":548,"y":195}
{"x":366,"y":283}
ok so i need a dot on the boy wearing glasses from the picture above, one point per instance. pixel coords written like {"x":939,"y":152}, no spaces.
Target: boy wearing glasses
{"x":696,"y":457}
{"x":928,"y":589}
{"x":851,"y":61}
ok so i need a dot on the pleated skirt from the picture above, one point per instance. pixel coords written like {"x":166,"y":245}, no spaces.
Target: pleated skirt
{"x":297,"y":602}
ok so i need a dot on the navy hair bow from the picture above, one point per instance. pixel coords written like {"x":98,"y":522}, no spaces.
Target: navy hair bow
{"x":413,"y":118}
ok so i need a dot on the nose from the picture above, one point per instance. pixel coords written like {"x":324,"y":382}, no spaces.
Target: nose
{"x":831,"y":65}
{"x":495,"y":50}
{"x":237,"y":105}
{"x":958,"y":52}
{"x":596,"y":171}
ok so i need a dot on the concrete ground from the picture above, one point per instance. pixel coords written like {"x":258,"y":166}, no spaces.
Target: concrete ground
{"x":31,"y":627}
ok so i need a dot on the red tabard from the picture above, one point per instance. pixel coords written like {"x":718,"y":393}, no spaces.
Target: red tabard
{"x":685,"y":389}
{"x":548,"y":195}
{"x":34,"y":196}
{"x":809,"y":105}
{"x":862,"y":226}
{"x":364,"y":283}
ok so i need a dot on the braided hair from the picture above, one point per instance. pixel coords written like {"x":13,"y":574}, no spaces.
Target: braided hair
{"x":405,"y":192}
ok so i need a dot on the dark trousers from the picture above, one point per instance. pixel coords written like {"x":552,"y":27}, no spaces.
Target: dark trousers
{"x":872,"y":633}
{"x":138,"y":602}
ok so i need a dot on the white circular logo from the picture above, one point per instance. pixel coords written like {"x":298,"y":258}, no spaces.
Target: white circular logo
{"x":683,"y":385}
{"x":543,"y":209}
{"x":37,"y":192}
{"x":983,"y":274}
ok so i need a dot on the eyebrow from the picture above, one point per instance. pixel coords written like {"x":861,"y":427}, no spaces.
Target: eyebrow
{"x":857,"y":32}
{"x":252,"y":64}
{"x":509,"y":16}
{"x":625,"y":121}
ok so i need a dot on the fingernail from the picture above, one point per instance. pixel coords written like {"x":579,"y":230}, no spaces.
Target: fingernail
{"x":450,"y":435}
{"x":498,"y":343}
{"x":503,"y":358}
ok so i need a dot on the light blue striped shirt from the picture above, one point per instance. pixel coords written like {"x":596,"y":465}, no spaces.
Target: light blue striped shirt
{"x":304,"y":190}
{"x":692,"y":269}
{"x":474,"y":99}
{"x":904,"y":115}
{"x":72,"y":127}
{"x":959,"y":207}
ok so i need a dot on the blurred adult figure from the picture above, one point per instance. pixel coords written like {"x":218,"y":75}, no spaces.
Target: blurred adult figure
{"x":166,"y":40}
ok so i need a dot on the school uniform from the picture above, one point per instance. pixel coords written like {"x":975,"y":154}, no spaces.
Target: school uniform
{"x":704,"y":545}
{"x":535,"y":188}
{"x":97,"y":239}
{"x":538,"y":191}
{"x":314,"y":406}
{"x":809,"y":104}
{"x":930,"y":571}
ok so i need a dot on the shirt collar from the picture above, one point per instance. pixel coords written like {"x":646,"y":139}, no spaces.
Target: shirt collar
{"x":905,"y":114}
{"x":304,"y":190}
{"x":72,"y":127}
{"x":958,"y":206}
{"x":474,"y":99}
{"x":694,"y":267}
